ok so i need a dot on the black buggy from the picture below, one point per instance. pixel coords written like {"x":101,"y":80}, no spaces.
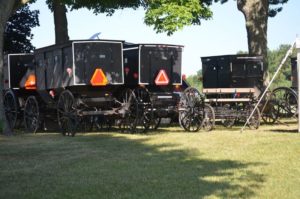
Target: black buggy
{"x":80,"y":82}
{"x":19,"y":83}
{"x":231,"y":84}
{"x":154,"y":71}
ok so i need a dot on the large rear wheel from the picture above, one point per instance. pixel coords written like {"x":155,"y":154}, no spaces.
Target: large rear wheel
{"x":285,"y":102}
{"x":191,"y":110}
{"x":67,"y":113}
{"x":11,"y":108}
{"x":31,"y":115}
{"x":128,"y":109}
{"x":144,"y":113}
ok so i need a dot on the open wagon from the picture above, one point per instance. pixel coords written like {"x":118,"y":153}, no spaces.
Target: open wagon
{"x":232,"y":83}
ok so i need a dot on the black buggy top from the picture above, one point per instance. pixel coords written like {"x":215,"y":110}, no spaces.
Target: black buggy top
{"x":15,"y":68}
{"x":152,"y":64}
{"x":232,"y":71}
{"x":80,"y":62}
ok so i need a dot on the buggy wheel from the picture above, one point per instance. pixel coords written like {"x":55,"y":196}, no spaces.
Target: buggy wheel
{"x":155,"y":123}
{"x":11,"y":108}
{"x":254,"y":121}
{"x":31,"y":115}
{"x":209,"y":118}
{"x":268,"y":112}
{"x":285,"y":102}
{"x":191,"y":110}
{"x":144,"y":113}
{"x":228,"y":120}
{"x":66,"y":113}
{"x":126,"y":123}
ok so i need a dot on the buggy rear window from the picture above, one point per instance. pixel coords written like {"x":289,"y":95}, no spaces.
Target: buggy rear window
{"x":156,"y":58}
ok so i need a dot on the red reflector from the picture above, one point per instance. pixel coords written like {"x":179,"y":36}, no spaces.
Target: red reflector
{"x":99,"y":78}
{"x":162,"y":78}
{"x":6,"y":81}
{"x":126,"y":70}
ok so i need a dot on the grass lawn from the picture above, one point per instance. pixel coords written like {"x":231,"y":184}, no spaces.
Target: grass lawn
{"x":170,"y":163}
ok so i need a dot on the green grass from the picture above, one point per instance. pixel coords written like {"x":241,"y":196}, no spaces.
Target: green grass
{"x":168,"y":164}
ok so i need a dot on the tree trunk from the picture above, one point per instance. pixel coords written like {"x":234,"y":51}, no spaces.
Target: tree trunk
{"x":6,"y":9}
{"x":256,"y":16}
{"x":60,"y":22}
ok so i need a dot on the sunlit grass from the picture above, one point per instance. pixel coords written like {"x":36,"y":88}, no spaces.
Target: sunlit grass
{"x":169,"y":163}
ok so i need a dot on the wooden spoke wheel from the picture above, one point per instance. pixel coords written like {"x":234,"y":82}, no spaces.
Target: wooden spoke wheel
{"x":229,"y":118}
{"x":254,"y":121}
{"x":191,"y":110}
{"x":285,"y":102}
{"x":228,"y":122}
{"x":269,"y":113}
{"x":144,"y":113}
{"x":129,"y":108}
{"x":11,"y":108}
{"x":67,"y":113}
{"x":31,"y":115}
{"x":209,"y":118}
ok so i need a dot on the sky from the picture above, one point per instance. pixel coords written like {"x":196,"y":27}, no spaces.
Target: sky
{"x":225,"y":33}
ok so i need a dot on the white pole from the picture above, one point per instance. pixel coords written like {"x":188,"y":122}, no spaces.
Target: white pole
{"x":298,"y":78}
{"x":289,"y":52}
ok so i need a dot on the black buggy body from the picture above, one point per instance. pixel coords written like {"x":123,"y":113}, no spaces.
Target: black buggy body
{"x":74,"y":82}
{"x":231,"y":84}
{"x":156,"y":69}
{"x":19,"y":83}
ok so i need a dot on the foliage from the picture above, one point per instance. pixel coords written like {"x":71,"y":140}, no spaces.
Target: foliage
{"x":104,"y":6}
{"x":195,"y":80}
{"x":18,"y":35}
{"x":274,"y":59}
{"x":275,"y":6}
{"x":171,"y":15}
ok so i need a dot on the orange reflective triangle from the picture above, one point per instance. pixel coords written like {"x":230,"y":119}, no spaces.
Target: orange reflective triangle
{"x":99,"y":78}
{"x":162,"y":78}
{"x":30,"y":82}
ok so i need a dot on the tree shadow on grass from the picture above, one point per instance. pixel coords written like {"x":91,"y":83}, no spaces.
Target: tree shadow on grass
{"x":110,"y":166}
{"x":284,"y":130}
